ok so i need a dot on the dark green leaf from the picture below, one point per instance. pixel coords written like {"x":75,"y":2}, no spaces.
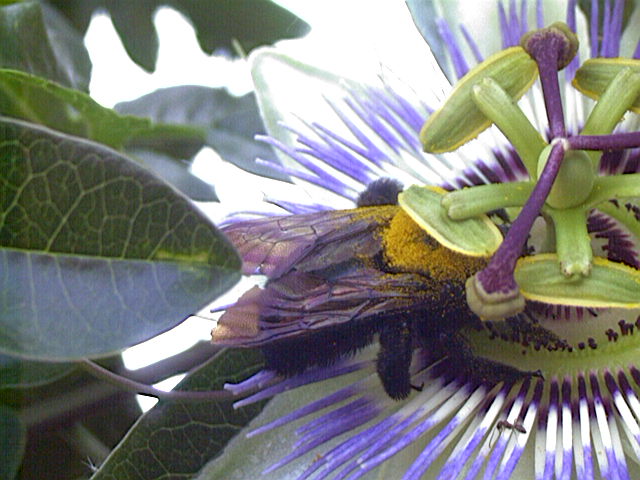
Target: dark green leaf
{"x":231,"y":122}
{"x":12,"y":442}
{"x":177,"y":173}
{"x":40,"y":41}
{"x":70,"y":111}
{"x":134,"y":23}
{"x":18,"y":373}
{"x":217,"y":23}
{"x":69,"y":49}
{"x":99,"y":254}
{"x":175,"y":440}
{"x":72,"y":423}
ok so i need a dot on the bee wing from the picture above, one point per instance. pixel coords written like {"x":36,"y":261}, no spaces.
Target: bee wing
{"x":301,"y":303}
{"x":272,"y":246}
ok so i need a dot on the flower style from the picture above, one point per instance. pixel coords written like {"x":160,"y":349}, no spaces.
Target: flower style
{"x":543,"y":381}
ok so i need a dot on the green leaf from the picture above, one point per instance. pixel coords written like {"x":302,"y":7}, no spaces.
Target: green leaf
{"x":99,"y":254}
{"x":459,"y":119}
{"x":477,"y":237}
{"x":177,"y":173}
{"x":175,"y":440}
{"x":18,"y":373}
{"x":231,"y":123}
{"x":609,"y":284}
{"x":70,"y":111}
{"x":38,"y":40}
{"x":217,"y":23}
{"x":12,"y":442}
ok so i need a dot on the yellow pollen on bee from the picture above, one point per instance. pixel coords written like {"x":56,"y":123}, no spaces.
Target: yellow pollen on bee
{"x":409,"y":248}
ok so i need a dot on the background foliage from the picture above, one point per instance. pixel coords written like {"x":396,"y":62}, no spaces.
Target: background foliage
{"x":101,"y":246}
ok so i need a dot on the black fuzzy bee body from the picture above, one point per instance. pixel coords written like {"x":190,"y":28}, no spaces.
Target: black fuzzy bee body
{"x":337,"y":280}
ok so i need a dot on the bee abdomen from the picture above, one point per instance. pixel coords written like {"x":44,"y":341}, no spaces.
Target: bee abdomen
{"x":320,"y":349}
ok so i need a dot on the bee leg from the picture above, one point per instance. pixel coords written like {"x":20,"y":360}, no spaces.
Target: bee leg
{"x":394,"y":358}
{"x":417,"y":388}
{"x":480,"y":368}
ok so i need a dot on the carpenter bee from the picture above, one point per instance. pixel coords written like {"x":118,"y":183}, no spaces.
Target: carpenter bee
{"x":339,"y":279}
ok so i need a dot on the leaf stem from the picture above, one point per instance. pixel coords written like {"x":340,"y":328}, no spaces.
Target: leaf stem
{"x":148,"y":390}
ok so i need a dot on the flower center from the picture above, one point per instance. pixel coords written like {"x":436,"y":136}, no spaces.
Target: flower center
{"x":563,"y":185}
{"x":563,"y":189}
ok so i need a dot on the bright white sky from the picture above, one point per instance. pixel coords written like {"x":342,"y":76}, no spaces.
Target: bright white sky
{"x":116,"y":78}
{"x":181,"y":62}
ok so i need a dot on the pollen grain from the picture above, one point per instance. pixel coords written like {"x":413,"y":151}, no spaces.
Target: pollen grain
{"x":409,"y":248}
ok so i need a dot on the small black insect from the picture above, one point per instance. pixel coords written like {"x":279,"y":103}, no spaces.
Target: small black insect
{"x":503,"y":425}
{"x":337,"y":279}
{"x":517,"y":426}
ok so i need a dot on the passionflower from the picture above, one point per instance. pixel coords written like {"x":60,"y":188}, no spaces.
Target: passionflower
{"x":474,"y":313}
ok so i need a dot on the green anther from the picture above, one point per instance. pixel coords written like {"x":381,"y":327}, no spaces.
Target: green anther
{"x":476,"y":237}
{"x":459,"y":119}
{"x":498,"y":106}
{"x":573,"y":243}
{"x":574,"y":181}
{"x":609,"y":284}
{"x":595,"y":76}
{"x":472,"y":201}
{"x":617,"y":97}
